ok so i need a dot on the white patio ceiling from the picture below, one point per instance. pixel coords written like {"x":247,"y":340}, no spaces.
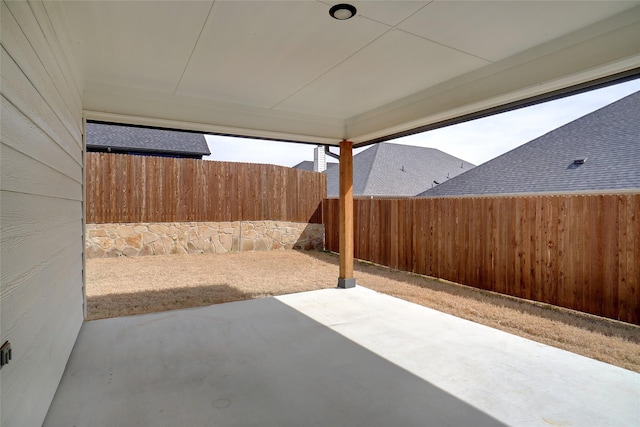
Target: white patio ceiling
{"x":287,"y":70}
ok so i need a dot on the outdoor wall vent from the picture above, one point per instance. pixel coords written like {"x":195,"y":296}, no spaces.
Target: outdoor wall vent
{"x":580,"y":161}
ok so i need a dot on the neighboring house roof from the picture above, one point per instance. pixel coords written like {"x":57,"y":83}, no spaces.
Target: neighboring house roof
{"x":388,"y":169}
{"x":117,"y":138}
{"x":305,"y":165}
{"x":608,"y":138}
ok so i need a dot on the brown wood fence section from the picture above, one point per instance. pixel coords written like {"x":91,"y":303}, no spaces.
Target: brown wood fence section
{"x":576,"y":251}
{"x":122,"y":188}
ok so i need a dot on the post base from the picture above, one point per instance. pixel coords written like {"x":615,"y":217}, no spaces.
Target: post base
{"x":346,"y":283}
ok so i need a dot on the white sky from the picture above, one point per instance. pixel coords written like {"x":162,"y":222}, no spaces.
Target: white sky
{"x":476,"y":141}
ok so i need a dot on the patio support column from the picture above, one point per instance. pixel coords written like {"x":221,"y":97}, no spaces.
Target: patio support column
{"x":346,"y":279}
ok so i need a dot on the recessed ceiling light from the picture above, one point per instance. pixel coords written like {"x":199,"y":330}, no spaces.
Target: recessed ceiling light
{"x":342,"y":11}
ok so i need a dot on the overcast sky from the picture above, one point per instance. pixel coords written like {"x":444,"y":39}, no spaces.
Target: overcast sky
{"x":475,"y":141}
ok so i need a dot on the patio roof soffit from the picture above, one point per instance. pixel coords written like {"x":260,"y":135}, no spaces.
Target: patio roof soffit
{"x":394,"y":71}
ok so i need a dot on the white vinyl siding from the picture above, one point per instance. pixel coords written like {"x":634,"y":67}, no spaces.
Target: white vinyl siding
{"x":41,"y":211}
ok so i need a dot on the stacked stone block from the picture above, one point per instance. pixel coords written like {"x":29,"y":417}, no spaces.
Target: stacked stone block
{"x":114,"y":240}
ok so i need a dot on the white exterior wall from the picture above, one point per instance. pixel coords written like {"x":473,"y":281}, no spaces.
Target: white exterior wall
{"x":41,"y":210}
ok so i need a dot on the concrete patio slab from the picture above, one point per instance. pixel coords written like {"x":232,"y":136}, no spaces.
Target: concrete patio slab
{"x":332,"y":357}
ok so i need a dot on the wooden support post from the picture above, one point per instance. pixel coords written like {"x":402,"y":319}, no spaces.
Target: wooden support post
{"x":346,"y":279}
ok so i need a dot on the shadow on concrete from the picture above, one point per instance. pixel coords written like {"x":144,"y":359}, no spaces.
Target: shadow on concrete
{"x":250,"y":363}
{"x":152,"y":301}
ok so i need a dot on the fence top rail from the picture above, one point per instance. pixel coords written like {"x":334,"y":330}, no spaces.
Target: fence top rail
{"x":205,"y":161}
{"x":545,"y":194}
{"x":631,"y":191}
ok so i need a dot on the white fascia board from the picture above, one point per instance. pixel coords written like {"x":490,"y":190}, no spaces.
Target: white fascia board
{"x":605,"y":49}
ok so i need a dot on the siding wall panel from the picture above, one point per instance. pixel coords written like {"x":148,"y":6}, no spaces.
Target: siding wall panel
{"x":41,"y":227}
{"x":22,"y":174}
{"x":52,"y":358}
{"x":23,"y":13}
{"x":21,"y":255}
{"x":25,"y":315}
{"x":25,"y":214}
{"x":23,"y":135}
{"x":25,"y":97}
{"x":17,"y":41}
{"x":50,"y":14}
{"x":59,"y":51}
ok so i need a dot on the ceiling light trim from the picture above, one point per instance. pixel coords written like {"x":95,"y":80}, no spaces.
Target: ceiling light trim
{"x":342,"y":11}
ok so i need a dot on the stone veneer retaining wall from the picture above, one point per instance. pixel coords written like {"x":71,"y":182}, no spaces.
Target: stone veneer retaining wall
{"x":113,"y":240}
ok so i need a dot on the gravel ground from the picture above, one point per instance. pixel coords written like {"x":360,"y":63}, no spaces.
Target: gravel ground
{"x":128,"y":286}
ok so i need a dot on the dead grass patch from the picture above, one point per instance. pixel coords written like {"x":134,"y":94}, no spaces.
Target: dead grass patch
{"x":128,"y":286}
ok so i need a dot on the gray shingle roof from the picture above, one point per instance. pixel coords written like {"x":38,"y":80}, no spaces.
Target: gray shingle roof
{"x":397,"y":170}
{"x":609,"y":138}
{"x":101,"y":136}
{"x":305,"y":165}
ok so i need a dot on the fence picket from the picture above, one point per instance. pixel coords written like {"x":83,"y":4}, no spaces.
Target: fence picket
{"x":576,"y":251}
{"x":123,"y":188}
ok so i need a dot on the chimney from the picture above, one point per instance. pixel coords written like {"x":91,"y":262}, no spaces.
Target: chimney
{"x":319,"y":159}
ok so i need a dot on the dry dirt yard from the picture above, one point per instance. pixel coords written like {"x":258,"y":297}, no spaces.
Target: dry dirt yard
{"x":128,"y":286}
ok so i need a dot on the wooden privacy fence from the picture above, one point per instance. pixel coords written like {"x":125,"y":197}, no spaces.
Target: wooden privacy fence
{"x":576,"y":251}
{"x":124,"y":188}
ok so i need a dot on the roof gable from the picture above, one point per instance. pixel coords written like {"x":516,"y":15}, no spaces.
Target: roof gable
{"x":608,"y":138}
{"x":398,"y":170}
{"x":305,"y":165}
